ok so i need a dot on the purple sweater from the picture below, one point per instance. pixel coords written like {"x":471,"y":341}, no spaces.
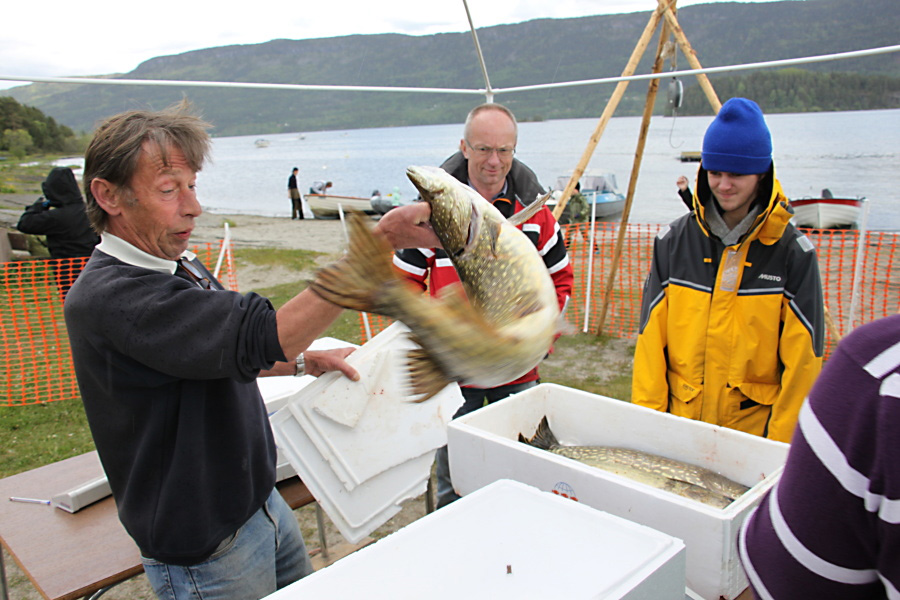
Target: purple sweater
{"x":830,"y":528}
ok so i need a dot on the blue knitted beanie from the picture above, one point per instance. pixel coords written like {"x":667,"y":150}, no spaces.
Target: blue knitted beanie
{"x":738,"y":141}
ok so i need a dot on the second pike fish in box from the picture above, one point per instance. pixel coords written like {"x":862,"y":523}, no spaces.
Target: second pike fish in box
{"x":685,"y":479}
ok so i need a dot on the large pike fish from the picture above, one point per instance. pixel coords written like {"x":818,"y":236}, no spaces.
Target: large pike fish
{"x":684,"y":479}
{"x":494,"y":329}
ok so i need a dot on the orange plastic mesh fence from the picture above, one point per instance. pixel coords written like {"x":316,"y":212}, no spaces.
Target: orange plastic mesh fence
{"x":35,"y":360}
{"x":858,"y":280}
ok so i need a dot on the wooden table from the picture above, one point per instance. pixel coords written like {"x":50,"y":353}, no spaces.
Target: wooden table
{"x":68,"y":556}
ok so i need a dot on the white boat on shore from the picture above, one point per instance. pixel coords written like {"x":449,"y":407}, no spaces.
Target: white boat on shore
{"x":827,"y":213}
{"x":325,"y":206}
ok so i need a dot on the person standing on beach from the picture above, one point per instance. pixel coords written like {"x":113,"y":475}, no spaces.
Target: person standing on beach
{"x":732,"y":316}
{"x":294,"y":193}
{"x":167,"y":360}
{"x":486,"y":162}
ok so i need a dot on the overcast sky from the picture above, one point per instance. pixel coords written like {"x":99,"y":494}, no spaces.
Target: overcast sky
{"x":96,"y":37}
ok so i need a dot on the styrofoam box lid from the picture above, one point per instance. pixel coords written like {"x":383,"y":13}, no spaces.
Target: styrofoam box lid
{"x":508,"y":540}
{"x":277,"y":390}
{"x":364,"y":447}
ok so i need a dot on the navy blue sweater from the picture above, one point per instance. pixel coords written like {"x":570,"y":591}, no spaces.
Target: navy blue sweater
{"x":167,"y":375}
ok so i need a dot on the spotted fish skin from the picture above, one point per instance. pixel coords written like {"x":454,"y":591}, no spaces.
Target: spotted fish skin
{"x":683,"y":479}
{"x":495,"y":327}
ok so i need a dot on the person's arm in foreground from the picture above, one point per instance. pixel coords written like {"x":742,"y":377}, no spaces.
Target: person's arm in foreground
{"x":830,"y":528}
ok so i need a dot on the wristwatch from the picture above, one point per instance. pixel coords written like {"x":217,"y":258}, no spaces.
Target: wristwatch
{"x":301,"y":366}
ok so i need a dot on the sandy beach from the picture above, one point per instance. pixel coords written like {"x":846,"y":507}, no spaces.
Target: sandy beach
{"x":251,"y":231}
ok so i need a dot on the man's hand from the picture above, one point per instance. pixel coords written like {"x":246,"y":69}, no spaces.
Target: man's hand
{"x":322,"y":361}
{"x":408,"y":227}
{"x":682,"y":183}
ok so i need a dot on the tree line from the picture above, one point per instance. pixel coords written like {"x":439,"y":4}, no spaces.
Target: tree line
{"x":798,"y":90}
{"x":27,"y":130}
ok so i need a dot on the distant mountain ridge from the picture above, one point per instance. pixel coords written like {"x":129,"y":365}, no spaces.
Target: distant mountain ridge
{"x":538,"y":51}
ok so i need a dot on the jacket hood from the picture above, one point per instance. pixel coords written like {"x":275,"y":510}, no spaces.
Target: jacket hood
{"x":60,"y":187}
{"x":773,"y":218}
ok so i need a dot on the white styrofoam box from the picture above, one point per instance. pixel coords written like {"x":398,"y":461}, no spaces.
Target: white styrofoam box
{"x":363,"y":447}
{"x":508,"y":540}
{"x":483,"y":447}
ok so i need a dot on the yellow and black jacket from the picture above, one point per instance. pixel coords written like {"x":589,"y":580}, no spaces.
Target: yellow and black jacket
{"x":731,"y":335}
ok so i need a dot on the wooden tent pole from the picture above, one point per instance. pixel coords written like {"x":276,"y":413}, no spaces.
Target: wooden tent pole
{"x":691,"y":56}
{"x":611,"y":105}
{"x":652,"y":90}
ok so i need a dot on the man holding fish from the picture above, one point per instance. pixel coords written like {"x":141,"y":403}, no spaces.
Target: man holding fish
{"x":485,"y":161}
{"x":167,"y":361}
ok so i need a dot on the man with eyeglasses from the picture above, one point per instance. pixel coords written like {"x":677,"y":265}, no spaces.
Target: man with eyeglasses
{"x":167,"y":361}
{"x":485,"y":161}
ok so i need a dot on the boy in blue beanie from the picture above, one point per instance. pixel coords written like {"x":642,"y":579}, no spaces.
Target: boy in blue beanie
{"x":732,"y":317}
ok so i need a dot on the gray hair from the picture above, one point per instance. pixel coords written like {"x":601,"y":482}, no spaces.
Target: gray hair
{"x":114,"y":151}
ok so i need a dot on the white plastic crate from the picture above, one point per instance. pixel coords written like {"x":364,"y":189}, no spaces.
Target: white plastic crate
{"x":507,"y":540}
{"x":483,"y":448}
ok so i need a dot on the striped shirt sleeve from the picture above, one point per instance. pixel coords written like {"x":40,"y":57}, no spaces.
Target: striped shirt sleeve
{"x":830,"y":528}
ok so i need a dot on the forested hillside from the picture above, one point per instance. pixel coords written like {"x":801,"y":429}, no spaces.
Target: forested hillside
{"x":539,"y":51}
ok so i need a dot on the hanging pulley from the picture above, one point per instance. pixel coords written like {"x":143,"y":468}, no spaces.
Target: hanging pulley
{"x":675,"y":93}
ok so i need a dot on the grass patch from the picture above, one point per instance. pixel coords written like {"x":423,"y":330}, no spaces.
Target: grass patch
{"x":40,"y":434}
{"x":295,"y":260}
{"x":595,"y":364}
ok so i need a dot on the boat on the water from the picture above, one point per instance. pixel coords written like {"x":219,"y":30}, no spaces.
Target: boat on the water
{"x":261,"y":143}
{"x":382,"y":203}
{"x":827,"y":212}
{"x":600,"y":193}
{"x":325,"y":206}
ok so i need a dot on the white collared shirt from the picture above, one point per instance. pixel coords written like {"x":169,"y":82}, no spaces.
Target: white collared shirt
{"x":128,"y":253}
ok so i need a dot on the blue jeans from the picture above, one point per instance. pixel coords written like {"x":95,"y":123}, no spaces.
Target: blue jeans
{"x":474,"y":399}
{"x":264,"y":555}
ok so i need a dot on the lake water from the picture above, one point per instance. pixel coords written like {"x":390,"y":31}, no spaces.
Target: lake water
{"x":851,"y":153}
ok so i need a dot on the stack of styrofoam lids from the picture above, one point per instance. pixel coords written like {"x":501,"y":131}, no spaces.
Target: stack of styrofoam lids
{"x":364,"y":447}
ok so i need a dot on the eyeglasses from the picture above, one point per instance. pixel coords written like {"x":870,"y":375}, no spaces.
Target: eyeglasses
{"x":485,"y":151}
{"x":195,"y":274}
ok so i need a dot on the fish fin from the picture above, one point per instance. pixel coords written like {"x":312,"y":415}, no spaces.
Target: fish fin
{"x":543,"y":437}
{"x":425,"y":376}
{"x":494,"y":230}
{"x":529,"y":211}
{"x":353,"y":281}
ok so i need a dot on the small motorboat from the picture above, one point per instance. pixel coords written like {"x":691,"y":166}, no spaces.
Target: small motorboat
{"x":827,"y":212}
{"x":325,"y":206}
{"x":600,"y":193}
{"x":261,"y":143}
{"x":381,"y":204}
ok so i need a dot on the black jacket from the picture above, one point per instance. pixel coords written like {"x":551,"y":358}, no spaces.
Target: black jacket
{"x":60,"y":215}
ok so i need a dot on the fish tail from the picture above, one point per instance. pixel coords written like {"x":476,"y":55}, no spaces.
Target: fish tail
{"x":354,"y":281}
{"x":543,"y":437}
{"x":426,"y":377}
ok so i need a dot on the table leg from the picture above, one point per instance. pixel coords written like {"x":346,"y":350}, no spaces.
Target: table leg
{"x":320,"y":524}
{"x":3,"y":593}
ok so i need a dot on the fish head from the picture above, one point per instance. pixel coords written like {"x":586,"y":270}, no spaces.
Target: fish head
{"x":456,"y":213}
